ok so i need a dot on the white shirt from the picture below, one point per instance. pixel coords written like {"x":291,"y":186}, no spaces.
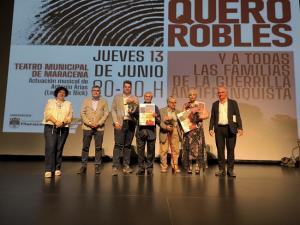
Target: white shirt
{"x":223,"y":112}
{"x":60,"y":111}
{"x":126,"y":114}
{"x":94,"y":104}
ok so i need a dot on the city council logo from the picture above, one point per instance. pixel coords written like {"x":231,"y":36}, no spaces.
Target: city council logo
{"x":14,"y":122}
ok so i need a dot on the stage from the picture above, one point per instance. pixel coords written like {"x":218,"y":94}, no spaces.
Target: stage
{"x":261,"y":194}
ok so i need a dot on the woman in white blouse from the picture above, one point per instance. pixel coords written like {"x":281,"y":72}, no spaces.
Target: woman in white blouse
{"x":57,"y":118}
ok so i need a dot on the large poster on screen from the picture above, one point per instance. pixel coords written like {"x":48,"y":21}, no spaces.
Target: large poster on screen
{"x":78,"y":44}
{"x":163,"y":46}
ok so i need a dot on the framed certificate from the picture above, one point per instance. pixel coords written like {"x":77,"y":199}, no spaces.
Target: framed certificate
{"x":146,"y":112}
{"x":185,"y":121}
{"x":200,"y":106}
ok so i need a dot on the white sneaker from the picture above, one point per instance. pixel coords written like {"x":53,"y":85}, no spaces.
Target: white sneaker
{"x":57,"y":173}
{"x":48,"y":174}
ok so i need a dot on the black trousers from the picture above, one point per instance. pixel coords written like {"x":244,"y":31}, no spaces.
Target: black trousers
{"x":123,"y":140}
{"x":87,"y":138}
{"x":55,"y":139}
{"x":224,"y":137}
{"x":141,"y":143}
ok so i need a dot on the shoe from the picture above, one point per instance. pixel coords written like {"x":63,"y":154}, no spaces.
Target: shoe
{"x":97,"y":169}
{"x":197,"y":169}
{"x":175,"y":169}
{"x":115,"y":171}
{"x":57,"y":173}
{"x":149,"y":173}
{"x":48,"y":174}
{"x":82,"y":170}
{"x":231,"y":174}
{"x":190,"y":169}
{"x":127,"y":170}
{"x":163,"y":170}
{"x":140,"y":172}
{"x":220,"y":173}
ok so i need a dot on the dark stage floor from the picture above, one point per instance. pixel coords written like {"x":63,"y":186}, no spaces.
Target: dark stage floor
{"x":259,"y":195}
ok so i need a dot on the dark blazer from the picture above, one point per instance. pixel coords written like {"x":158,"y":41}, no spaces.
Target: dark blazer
{"x":233,"y":110}
{"x":151,"y":130}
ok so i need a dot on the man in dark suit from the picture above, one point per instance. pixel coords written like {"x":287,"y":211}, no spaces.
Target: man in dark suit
{"x":146,"y":135}
{"x":225,"y":123}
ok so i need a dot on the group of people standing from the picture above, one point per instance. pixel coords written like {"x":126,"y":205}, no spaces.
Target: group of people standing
{"x":225,"y":124}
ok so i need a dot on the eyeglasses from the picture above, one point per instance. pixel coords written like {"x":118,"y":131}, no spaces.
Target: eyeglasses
{"x":96,"y":90}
